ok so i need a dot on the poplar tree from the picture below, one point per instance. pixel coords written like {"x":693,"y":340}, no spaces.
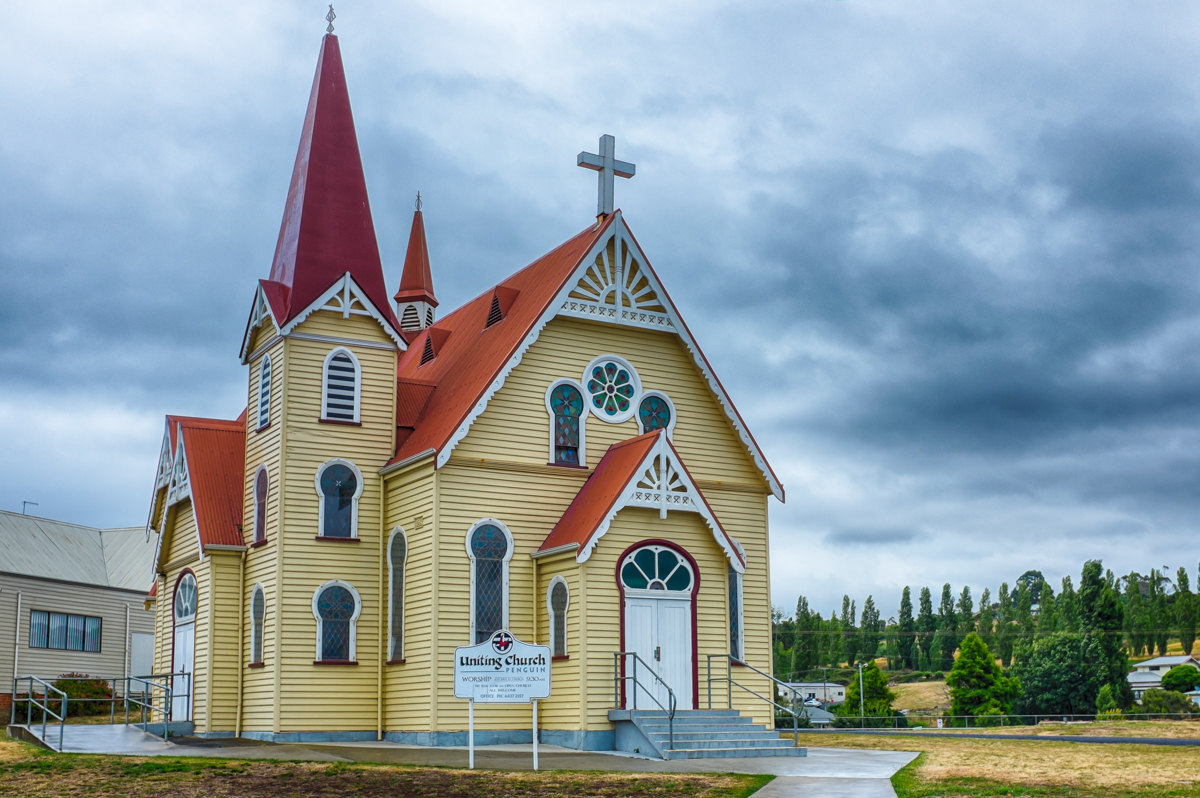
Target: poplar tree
{"x":804,"y":645}
{"x":1067,"y":607}
{"x":1047,"y":620}
{"x":1162,"y":614}
{"x":1100,"y":621}
{"x":947,"y":629}
{"x":907,"y":632}
{"x":1004,"y":626}
{"x":1185,"y":611}
{"x":987,"y":619}
{"x":926,"y":626}
{"x":849,"y":633}
{"x":1134,"y":621}
{"x":966,"y":614}
{"x":1024,"y":614}
{"x":868,"y":631}
{"x":833,"y":638}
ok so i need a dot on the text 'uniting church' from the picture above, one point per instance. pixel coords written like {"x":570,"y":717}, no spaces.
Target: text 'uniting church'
{"x":556,"y":457}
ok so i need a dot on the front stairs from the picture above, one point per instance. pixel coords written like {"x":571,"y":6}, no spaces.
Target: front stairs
{"x":699,"y":734}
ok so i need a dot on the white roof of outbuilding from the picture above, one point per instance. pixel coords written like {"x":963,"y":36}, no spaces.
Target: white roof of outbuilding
{"x":1172,"y":661}
{"x":33,"y":546}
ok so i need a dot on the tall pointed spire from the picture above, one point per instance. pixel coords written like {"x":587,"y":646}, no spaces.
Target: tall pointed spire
{"x":415,"y":300}
{"x":327,"y":229}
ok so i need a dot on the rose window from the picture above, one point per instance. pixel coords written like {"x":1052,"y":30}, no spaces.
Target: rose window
{"x":611,"y":388}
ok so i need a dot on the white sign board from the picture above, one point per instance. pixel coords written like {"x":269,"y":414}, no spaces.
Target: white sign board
{"x":502,"y":670}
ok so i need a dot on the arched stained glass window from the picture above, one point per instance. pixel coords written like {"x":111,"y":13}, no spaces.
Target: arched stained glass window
{"x":339,"y":484}
{"x":558,"y":617}
{"x":261,"y":486}
{"x":611,"y":387}
{"x":185,"y":599}
{"x":336,"y":610}
{"x":735,"y":614}
{"x":654,"y":413}
{"x":656,"y":568}
{"x":566,"y":404}
{"x":489,"y":554}
{"x":258,"y":615}
{"x":397,"y":553}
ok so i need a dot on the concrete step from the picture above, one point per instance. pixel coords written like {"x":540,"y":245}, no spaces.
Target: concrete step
{"x":749,"y":745}
{"x":731,"y":753}
{"x":716,"y":734}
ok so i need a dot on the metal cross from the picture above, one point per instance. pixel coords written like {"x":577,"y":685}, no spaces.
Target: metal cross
{"x":607,"y":165}
{"x":331,"y":17}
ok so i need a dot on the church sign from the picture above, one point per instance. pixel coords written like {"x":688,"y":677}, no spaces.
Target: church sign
{"x":502,"y":670}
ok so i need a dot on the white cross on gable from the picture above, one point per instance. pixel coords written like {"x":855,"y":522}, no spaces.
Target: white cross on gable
{"x":607,"y":165}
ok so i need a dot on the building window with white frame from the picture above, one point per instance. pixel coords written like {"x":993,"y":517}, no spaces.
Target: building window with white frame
{"x":558,"y":598}
{"x":262,"y":486}
{"x":490,"y":546}
{"x":735,"y":615}
{"x":397,"y":558}
{"x":336,"y":606}
{"x":340,"y":389}
{"x":564,"y":401}
{"x":339,"y":486}
{"x":264,"y":392}
{"x":258,"y":616}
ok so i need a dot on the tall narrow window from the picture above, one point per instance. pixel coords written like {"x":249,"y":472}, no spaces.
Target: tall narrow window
{"x":490,"y":548}
{"x":566,"y":405}
{"x":339,"y":485}
{"x":336,"y":606}
{"x":261,"y":486}
{"x":264,"y":392}
{"x":735,"y":614}
{"x":557,"y":604}
{"x":258,"y":615}
{"x":397,"y":556}
{"x":341,"y":388}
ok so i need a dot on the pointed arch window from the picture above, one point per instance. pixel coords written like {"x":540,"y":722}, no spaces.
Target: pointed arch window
{"x":258,"y":616}
{"x":564,"y":401}
{"x":339,"y":486}
{"x":397,"y":559}
{"x":340,"y":388}
{"x":262,"y":485}
{"x":490,"y":547}
{"x":336,"y":605}
{"x":736,"y":632}
{"x":558,"y":598}
{"x":264,"y":392}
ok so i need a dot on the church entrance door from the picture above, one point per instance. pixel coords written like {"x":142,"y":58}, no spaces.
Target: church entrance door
{"x":183,"y":657}
{"x":658,"y":585}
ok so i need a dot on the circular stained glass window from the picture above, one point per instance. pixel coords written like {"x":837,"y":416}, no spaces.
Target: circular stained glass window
{"x":611,"y":388}
{"x":656,"y":568}
{"x":654,"y":413}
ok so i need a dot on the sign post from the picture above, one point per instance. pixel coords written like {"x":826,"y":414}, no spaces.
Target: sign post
{"x":501,"y":670}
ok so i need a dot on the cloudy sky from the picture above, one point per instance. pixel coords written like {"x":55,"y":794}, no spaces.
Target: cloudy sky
{"x":944,"y":254}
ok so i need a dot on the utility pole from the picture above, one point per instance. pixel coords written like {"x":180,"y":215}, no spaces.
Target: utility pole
{"x":861,"y":720}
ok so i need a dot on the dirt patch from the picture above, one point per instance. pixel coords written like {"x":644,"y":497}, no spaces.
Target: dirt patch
{"x":922,"y":695}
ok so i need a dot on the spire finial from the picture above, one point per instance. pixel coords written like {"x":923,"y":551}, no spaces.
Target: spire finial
{"x":419,"y":203}
{"x":331,"y":17}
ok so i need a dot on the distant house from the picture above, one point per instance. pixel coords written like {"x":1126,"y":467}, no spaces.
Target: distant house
{"x":72,"y":599}
{"x":825,"y":692}
{"x":1148,"y":675}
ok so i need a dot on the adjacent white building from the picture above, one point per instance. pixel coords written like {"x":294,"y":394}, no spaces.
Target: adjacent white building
{"x":1148,"y":675}
{"x":825,"y":692}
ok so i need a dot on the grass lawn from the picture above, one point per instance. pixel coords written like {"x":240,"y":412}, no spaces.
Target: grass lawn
{"x":956,"y":767}
{"x":26,"y":772}
{"x":922,"y":695}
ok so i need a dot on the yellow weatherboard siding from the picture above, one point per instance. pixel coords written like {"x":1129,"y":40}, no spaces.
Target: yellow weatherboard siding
{"x":561,"y":710}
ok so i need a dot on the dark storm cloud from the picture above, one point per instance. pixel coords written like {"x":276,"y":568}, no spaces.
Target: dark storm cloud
{"x":873,"y":537}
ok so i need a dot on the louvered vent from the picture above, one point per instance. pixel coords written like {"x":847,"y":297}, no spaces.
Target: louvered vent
{"x":428,"y":353}
{"x":411,"y":320}
{"x":494,"y":315}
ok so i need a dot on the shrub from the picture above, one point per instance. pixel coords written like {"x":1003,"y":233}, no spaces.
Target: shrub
{"x":1110,"y":714}
{"x":1165,"y":703}
{"x":80,"y":686}
{"x":1181,"y":678}
{"x":1105,"y":701}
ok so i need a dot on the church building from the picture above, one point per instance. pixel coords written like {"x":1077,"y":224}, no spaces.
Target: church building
{"x":556,"y":458}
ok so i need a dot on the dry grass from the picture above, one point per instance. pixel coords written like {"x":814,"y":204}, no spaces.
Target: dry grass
{"x":1033,"y":763}
{"x":922,"y":695}
{"x":1185,"y":729}
{"x":26,"y":772}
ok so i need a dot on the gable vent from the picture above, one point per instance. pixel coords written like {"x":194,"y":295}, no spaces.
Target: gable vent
{"x":494,"y":315}
{"x":428,"y":354}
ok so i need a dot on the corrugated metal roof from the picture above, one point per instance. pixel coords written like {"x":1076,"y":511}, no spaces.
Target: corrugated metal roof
{"x":57,"y":550}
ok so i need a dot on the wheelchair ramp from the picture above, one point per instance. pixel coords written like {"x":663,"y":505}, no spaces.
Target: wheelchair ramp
{"x":94,"y":739}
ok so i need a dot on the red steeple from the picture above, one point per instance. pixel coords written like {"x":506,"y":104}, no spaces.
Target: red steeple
{"x":415,"y":300}
{"x":327,"y":228}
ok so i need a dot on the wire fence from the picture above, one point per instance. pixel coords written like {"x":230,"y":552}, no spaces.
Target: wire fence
{"x":936,"y":720}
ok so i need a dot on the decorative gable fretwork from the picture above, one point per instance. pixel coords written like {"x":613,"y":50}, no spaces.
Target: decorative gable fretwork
{"x":180,"y":487}
{"x":348,"y":300}
{"x":662,"y":488}
{"x":616,"y":287}
{"x":163,"y":477}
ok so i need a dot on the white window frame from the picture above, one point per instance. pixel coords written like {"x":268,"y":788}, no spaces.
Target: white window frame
{"x":670,"y":404}
{"x":550,"y":611}
{"x":357,"y":385}
{"x":741,"y":610}
{"x":353,"y":618}
{"x":394,"y":600}
{"x":256,"y":626}
{"x":507,"y":557}
{"x":262,"y":469}
{"x":321,"y":496}
{"x":582,"y":420}
{"x":619,"y":418}
{"x":264,"y":410}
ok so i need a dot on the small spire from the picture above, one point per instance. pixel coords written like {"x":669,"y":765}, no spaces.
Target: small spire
{"x":419,"y":200}
{"x":415,"y":301}
{"x":330,"y":17}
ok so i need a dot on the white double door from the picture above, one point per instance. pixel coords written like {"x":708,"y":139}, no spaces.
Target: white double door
{"x":185,"y":663}
{"x":659,"y":630}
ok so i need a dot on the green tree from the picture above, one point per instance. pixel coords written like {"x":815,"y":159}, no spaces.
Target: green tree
{"x":877,"y":698}
{"x":966,"y":613}
{"x":1067,"y":608}
{"x":1047,"y":620}
{"x":926,"y":626}
{"x":1181,"y":679}
{"x":833,"y":641}
{"x":1135,"y":621}
{"x":804,"y":649}
{"x":1024,"y":614}
{"x":907,"y":632}
{"x":1105,"y":701}
{"x":1161,"y":612}
{"x":1100,"y":621}
{"x":977,"y":685}
{"x":987,"y":619}
{"x":1165,"y":703}
{"x":869,"y":629}
{"x":895,"y":660}
{"x":947,"y":629}
{"x":1056,"y":677}
{"x":1005,"y":635}
{"x":1185,"y":611}
{"x":849,"y":632}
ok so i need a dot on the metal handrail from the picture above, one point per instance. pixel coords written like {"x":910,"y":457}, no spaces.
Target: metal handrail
{"x":147,"y":707}
{"x":31,"y":701}
{"x":618,"y":679}
{"x":729,"y":660}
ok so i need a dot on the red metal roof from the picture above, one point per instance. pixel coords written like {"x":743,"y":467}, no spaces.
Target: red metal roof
{"x":471,"y":355}
{"x":327,"y":228}
{"x":416,"y":282}
{"x":601,"y":491}
{"x":216,"y":458}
